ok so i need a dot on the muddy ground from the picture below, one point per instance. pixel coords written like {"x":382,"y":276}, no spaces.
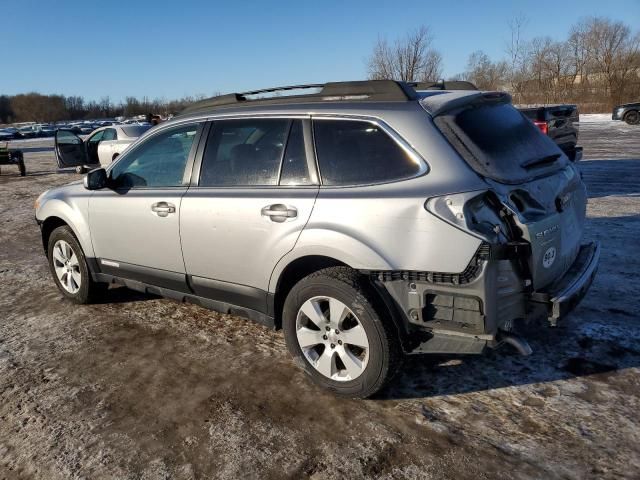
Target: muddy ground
{"x":140,"y":387}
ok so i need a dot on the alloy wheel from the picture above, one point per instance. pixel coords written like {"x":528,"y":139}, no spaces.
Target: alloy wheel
{"x":67,"y":266}
{"x":332,"y":338}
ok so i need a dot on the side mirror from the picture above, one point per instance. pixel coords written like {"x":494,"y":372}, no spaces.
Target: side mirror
{"x":96,"y":179}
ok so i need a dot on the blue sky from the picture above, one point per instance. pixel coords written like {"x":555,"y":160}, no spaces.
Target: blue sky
{"x":175,"y":48}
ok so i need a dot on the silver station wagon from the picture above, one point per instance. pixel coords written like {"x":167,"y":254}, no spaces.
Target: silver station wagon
{"x":368,"y":220}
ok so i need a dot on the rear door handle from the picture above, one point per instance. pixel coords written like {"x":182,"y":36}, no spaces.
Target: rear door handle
{"x":279,"y":212}
{"x":163,"y":209}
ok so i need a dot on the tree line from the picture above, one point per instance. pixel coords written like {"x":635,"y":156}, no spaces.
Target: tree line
{"x":596,"y":66}
{"x":35,"y":107}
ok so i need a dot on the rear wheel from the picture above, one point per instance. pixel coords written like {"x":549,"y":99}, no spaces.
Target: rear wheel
{"x":340,"y":334}
{"x":632,"y":117}
{"x":69,"y":268}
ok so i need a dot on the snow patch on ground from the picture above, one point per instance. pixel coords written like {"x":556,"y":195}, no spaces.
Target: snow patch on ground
{"x":595,"y":117}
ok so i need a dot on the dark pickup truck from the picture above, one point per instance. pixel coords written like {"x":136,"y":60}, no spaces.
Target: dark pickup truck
{"x":560,"y":123}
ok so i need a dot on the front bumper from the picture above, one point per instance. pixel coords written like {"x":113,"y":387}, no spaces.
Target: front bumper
{"x":617,"y":115}
{"x":566,"y":293}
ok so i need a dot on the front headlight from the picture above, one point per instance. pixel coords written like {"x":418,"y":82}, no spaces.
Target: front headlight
{"x":36,"y":204}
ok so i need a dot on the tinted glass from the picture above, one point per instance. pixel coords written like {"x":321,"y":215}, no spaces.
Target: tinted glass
{"x":96,"y":138}
{"x":499,"y":142}
{"x":64,"y":137}
{"x":295,"y":170}
{"x":359,"y":153}
{"x":135,"y":130}
{"x":109,"y":134}
{"x":158,"y":162}
{"x":244,"y":152}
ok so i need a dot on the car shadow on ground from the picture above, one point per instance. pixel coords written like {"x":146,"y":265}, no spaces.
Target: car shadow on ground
{"x":606,"y":178}
{"x":557,"y":355}
{"x":120,"y":294}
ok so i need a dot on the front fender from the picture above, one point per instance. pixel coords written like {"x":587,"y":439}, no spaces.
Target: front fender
{"x":71,"y":210}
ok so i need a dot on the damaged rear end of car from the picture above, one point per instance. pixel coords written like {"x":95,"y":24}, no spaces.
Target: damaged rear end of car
{"x":532,"y":263}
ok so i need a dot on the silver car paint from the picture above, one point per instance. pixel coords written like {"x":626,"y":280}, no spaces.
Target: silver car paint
{"x":377,"y":227}
{"x":125,"y":229}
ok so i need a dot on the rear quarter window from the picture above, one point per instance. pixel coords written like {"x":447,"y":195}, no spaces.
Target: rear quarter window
{"x":360,"y":153}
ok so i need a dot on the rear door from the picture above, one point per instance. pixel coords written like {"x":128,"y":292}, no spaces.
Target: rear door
{"x":252,"y":196}
{"x":70,"y":150}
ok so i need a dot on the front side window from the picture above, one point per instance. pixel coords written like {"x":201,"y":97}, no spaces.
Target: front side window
{"x":160,"y":161}
{"x":360,"y":153}
{"x":246,"y":152}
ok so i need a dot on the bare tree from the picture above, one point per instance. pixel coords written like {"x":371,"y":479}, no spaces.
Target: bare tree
{"x":484,"y":73}
{"x":516,"y":51}
{"x":613,"y":51}
{"x":410,"y":59}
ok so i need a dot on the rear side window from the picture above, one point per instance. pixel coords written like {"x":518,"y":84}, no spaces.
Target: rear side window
{"x":499,"y":142}
{"x":359,"y":153}
{"x":244,"y":152}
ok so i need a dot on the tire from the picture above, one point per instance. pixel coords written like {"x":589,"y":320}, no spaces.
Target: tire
{"x":354,"y":370}
{"x":80,"y":288}
{"x":632,"y":117}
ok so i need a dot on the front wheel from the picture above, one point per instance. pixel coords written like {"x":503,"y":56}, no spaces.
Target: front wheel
{"x":69,"y":268}
{"x":340,"y":333}
{"x":632,"y":117}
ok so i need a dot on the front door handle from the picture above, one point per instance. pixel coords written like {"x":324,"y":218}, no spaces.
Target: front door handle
{"x":163,"y":209}
{"x":279,"y":212}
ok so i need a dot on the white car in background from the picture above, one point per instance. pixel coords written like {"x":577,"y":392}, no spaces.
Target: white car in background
{"x":100,"y":148}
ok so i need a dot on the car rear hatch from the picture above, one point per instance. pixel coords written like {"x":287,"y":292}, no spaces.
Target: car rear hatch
{"x":541,"y":195}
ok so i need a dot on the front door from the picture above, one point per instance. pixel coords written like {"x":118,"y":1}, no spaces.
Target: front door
{"x":70,"y":150}
{"x":254,"y":196}
{"x":135,"y":223}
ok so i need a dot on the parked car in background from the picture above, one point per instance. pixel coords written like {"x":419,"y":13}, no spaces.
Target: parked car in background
{"x":560,"y":124}
{"x":29,"y":131}
{"x":45,"y":130}
{"x":368,"y":220}
{"x":100,"y":148}
{"x":6,"y":135}
{"x":629,"y":112}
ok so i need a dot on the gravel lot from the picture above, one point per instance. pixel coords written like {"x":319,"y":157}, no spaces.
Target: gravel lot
{"x":140,"y":387}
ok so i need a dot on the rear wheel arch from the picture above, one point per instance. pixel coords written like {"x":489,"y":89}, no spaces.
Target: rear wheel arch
{"x":304,"y":266}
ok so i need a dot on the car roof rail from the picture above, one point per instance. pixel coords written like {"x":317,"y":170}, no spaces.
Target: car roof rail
{"x":367,"y":90}
{"x":444,"y":85}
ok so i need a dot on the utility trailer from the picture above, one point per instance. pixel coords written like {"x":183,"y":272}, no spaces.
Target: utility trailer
{"x":12,"y":157}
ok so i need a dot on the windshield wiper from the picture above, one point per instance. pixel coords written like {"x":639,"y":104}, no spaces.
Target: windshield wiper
{"x":538,"y":162}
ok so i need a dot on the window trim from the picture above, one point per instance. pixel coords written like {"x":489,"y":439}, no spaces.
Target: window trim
{"x":191,"y":158}
{"x":395,"y":136}
{"x":308,"y":141}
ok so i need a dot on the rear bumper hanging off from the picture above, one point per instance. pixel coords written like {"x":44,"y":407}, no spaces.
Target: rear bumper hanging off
{"x":567,"y":292}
